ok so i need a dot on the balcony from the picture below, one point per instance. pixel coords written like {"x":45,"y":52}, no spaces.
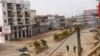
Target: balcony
{"x":19,"y":14}
{"x":10,"y":21}
{"x":9,"y":6}
{"x":11,"y":24}
{"x":10,"y":14}
{"x":27,"y":14}
{"x":19,"y":21}
{"x":26,"y":19}
{"x":18,"y":7}
{"x":27,"y":22}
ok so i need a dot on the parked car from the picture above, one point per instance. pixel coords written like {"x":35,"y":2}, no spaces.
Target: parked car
{"x":93,"y":30}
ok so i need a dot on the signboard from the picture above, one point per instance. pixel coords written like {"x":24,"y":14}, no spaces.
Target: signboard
{"x":6,"y":29}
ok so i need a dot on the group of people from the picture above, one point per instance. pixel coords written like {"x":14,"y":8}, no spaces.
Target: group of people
{"x":74,"y":48}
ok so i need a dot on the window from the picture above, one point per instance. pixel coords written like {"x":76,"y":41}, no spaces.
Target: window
{"x":5,"y":21}
{"x":4,"y":13}
{"x":0,"y":29}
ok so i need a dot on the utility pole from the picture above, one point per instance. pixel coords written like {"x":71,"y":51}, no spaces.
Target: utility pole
{"x":79,"y":41}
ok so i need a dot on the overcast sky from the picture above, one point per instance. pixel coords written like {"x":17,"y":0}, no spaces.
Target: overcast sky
{"x":62,"y":7}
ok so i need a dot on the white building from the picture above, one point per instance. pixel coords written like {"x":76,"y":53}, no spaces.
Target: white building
{"x":90,"y":17}
{"x":57,"y":22}
{"x":80,"y":19}
{"x":16,"y":13}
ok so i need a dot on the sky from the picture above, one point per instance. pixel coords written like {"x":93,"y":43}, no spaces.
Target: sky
{"x":62,"y":7}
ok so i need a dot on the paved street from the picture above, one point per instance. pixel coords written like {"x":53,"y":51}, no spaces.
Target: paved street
{"x":86,"y":38}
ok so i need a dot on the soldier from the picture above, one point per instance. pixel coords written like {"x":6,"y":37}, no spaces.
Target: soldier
{"x":67,"y":48}
{"x":74,"y":48}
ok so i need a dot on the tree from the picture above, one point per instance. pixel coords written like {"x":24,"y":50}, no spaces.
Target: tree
{"x":65,"y":33}
{"x":44,"y":43}
{"x":56,"y":36}
{"x":37,"y":44}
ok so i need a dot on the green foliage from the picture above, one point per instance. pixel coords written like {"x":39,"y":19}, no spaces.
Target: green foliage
{"x":62,"y":35}
{"x":23,"y":54}
{"x":44,"y":43}
{"x":37,"y":44}
{"x":40,"y":44}
{"x":56,"y":36}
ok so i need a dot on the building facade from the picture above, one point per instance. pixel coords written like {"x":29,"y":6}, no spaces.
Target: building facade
{"x":90,"y":17}
{"x":16,"y":14}
{"x":57,"y":22}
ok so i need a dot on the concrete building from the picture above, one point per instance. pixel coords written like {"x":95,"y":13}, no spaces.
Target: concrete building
{"x":80,"y":19}
{"x":16,"y":13}
{"x":89,"y":17}
{"x":50,"y":22}
{"x":57,"y":22}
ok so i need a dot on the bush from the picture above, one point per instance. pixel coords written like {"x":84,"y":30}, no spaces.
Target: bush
{"x":65,"y":33}
{"x":44,"y":43}
{"x":56,"y":36}
{"x":37,"y":44}
{"x":23,"y":54}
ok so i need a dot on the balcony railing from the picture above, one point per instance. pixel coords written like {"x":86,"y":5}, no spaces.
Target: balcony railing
{"x":10,"y":19}
{"x":19,"y":15}
{"x":10,"y":15}
{"x":19,"y":8}
{"x":95,"y":51}
{"x":11,"y":23}
{"x":10,"y":7}
{"x":20,"y":23}
{"x":27,"y":15}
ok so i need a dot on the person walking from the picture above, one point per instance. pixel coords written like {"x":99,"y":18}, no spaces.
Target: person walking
{"x":74,"y":48}
{"x":67,"y":48}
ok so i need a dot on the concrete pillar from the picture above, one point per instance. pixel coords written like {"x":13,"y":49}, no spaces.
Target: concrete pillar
{"x":28,"y":32}
{"x":9,"y":37}
{"x":25,"y":33}
{"x":17,"y":33}
{"x":12,"y":35}
{"x":21,"y":32}
{"x":31,"y":32}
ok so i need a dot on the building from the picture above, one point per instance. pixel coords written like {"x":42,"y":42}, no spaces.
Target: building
{"x":33,"y":15}
{"x":57,"y":22}
{"x":89,"y":17}
{"x":16,"y":14}
{"x":80,"y":19}
{"x":50,"y":22}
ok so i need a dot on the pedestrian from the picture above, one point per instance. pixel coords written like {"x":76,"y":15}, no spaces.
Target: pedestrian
{"x":67,"y":48}
{"x":74,"y":48}
{"x":81,"y":49}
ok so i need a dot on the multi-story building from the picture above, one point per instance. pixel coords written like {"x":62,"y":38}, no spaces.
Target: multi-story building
{"x":49,"y":22}
{"x":90,"y":17}
{"x":57,"y":22}
{"x":80,"y":19}
{"x":16,"y":14}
